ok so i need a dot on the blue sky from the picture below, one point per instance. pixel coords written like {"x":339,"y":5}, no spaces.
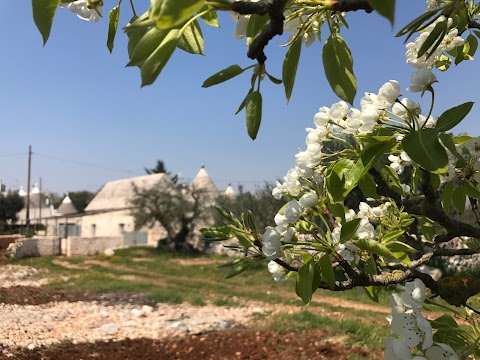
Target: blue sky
{"x":89,"y":122}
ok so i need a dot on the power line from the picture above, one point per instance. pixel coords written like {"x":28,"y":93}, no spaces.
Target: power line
{"x":12,"y":155}
{"x":86,"y":164}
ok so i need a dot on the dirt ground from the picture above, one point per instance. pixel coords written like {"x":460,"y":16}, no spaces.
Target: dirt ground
{"x":230,"y":344}
{"x":227,"y":344}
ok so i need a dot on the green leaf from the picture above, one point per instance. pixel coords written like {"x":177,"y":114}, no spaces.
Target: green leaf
{"x":391,"y":178}
{"x":443,"y":62}
{"x":424,"y":148}
{"x":238,"y":269}
{"x":398,"y":246}
{"x":392,"y":235}
{"x":349,"y":229}
{"x":223,"y":75}
{"x":372,"y":292}
{"x":368,"y":186}
{"x":290,"y":64}
{"x":43,"y":14}
{"x":472,"y":40}
{"x":146,"y":46}
{"x":155,"y":63}
{"x":210,"y":18}
{"x":374,"y":247}
{"x":386,"y":8}
{"x":412,"y":26}
{"x":341,"y":177}
{"x":169,"y":13}
{"x":255,"y":24}
{"x":459,"y":199}
{"x":113,"y":17}
{"x":327,"y":270}
{"x":471,"y":190}
{"x":449,"y":143}
{"x":370,"y":266}
{"x":274,"y":79}
{"x":346,"y":173}
{"x":254,"y":113}
{"x":192,"y":39}
{"x":338,"y":211}
{"x":453,"y":116}
{"x":228,"y":215}
{"x":338,"y":65}
{"x":434,"y":39}
{"x":135,"y":34}
{"x":244,"y":102}
{"x":448,"y":331}
{"x":217,"y":233}
{"x":462,"y":139}
{"x":245,"y":240}
{"x":447,"y":196}
{"x":305,"y":280}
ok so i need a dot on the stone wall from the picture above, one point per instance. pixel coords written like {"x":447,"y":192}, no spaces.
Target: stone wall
{"x":6,"y":240}
{"x":27,"y":247}
{"x":80,"y":246}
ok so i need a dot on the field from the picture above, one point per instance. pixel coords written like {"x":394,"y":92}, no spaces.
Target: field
{"x":262,"y":319}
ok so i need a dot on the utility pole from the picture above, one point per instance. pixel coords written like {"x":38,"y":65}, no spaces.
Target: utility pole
{"x":40,"y":203}
{"x":27,"y":221}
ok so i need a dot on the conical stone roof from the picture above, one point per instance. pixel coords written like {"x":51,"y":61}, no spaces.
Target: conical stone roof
{"x":202,"y":182}
{"x":67,"y":207}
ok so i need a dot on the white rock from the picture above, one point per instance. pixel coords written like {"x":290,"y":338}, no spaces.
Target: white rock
{"x":147,"y":309}
{"x":111,"y":328}
{"x":136,"y":312}
{"x":109,"y":252}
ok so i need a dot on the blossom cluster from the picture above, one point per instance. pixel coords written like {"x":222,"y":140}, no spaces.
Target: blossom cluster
{"x":413,"y":330}
{"x":427,"y":60}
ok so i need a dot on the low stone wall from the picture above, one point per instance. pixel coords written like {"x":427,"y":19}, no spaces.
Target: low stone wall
{"x":44,"y":246}
{"x":78,"y":246}
{"x":6,"y":240}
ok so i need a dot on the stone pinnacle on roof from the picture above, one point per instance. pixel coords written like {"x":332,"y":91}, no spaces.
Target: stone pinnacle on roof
{"x":229,"y":191}
{"x":66,"y":207}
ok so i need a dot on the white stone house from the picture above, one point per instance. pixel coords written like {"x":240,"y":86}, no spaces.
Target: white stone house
{"x":108,"y":214}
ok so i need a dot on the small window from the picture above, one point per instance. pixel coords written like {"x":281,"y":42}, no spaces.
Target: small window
{"x":94,"y":230}
{"x":121,"y":227}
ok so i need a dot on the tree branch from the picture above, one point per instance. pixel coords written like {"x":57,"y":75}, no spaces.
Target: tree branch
{"x":350,"y":5}
{"x":473,"y":25}
{"x":275,"y":10}
{"x":431,"y":210}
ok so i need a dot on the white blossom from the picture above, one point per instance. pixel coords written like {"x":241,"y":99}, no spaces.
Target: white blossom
{"x":309,"y":199}
{"x":242,"y":23}
{"x":293,"y":211}
{"x":271,"y":243}
{"x":396,"y":349}
{"x":387,"y":94}
{"x":277,"y":271}
{"x":400,"y":109}
{"x":421,"y":80}
{"x":88,"y":10}
{"x":441,"y":351}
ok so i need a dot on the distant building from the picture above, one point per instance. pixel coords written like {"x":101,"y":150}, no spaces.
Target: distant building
{"x":109,"y":212}
{"x":40,"y":207}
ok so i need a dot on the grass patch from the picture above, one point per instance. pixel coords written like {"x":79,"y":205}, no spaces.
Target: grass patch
{"x":358,"y":332}
{"x":162,"y":295}
{"x":185,"y":277}
{"x":225,"y":302}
